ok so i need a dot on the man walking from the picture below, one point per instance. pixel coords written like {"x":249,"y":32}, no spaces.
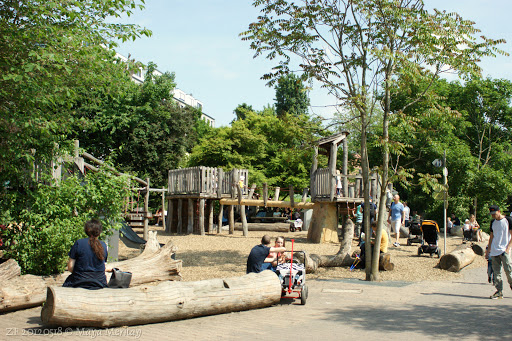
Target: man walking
{"x":396,"y":217}
{"x":500,"y":243}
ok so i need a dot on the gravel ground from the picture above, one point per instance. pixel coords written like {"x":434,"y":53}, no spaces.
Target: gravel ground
{"x":223,"y":255}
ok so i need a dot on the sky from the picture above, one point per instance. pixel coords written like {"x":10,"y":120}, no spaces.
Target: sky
{"x":199,"y":41}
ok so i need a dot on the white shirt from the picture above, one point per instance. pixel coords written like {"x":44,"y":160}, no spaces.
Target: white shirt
{"x":500,"y":236}
{"x":407,"y":212}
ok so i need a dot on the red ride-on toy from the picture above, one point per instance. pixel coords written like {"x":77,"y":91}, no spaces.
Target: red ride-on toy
{"x":292,"y":276}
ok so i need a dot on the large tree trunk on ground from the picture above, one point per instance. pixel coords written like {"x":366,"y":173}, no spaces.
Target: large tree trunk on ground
{"x":479,"y":248}
{"x":457,"y":259}
{"x":342,"y":258}
{"x":265,"y":227}
{"x":9,"y":269}
{"x":154,"y":264}
{"x":167,"y":301}
{"x":385,"y":261}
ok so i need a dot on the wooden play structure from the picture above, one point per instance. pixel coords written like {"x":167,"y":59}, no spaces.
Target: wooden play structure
{"x":192,"y":192}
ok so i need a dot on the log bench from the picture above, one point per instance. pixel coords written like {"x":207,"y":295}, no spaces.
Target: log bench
{"x":167,"y":301}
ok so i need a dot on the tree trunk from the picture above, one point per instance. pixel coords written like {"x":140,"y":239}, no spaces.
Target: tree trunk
{"x":167,"y":301}
{"x":385,"y":262}
{"x":154,"y":264}
{"x":479,"y":248}
{"x":457,"y":259}
{"x":342,"y":258}
{"x":265,"y":227}
{"x":9,"y":269}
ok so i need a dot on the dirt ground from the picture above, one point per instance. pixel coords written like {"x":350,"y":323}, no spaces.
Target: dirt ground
{"x":224,"y":255}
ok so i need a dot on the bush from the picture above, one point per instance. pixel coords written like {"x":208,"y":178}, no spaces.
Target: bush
{"x":52,"y":218}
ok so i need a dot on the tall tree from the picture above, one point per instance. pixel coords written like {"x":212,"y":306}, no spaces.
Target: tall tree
{"x":48,"y":51}
{"x":357,"y":50}
{"x":291,"y":96}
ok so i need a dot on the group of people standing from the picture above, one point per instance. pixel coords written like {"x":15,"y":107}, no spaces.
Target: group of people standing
{"x":399,"y":214}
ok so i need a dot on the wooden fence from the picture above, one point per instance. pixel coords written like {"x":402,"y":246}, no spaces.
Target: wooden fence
{"x":205,"y":181}
{"x":323,"y":181}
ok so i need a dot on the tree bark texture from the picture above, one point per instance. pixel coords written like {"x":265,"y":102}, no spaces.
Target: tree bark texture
{"x":342,"y":258}
{"x":264,"y":227}
{"x":9,"y":269}
{"x":167,"y":301}
{"x":457,"y":259}
{"x":153,"y":264}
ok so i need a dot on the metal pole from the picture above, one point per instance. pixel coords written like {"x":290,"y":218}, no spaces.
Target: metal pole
{"x":445,"y":182}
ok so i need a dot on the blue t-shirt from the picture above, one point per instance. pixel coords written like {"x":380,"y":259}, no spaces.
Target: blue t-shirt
{"x":257,"y":257}
{"x":396,"y":211}
{"x":85,"y":259}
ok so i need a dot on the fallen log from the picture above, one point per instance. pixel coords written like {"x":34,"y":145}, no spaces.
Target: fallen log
{"x":457,"y":259}
{"x":167,"y":301}
{"x":265,"y":227}
{"x":341,"y":258}
{"x":9,"y":269}
{"x":154,"y":264}
{"x":479,"y":248}
{"x":385,"y":262}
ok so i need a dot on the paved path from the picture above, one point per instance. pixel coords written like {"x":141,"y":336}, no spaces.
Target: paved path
{"x":336,"y":310}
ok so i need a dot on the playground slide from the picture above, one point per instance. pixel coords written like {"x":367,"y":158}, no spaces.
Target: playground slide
{"x":131,"y":239}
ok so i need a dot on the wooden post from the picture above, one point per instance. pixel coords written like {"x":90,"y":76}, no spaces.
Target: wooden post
{"x":221,"y":215}
{"x":276,"y":195}
{"x":201,"y":216}
{"x":170,"y":213}
{"x":344,"y":169}
{"x":220,"y":180}
{"x":305,"y":194}
{"x":292,"y":194}
{"x":180,"y":216}
{"x":163,"y":207}
{"x":190,"y":217}
{"x":146,"y":211}
{"x":210,"y":216}
{"x":242,"y":214}
{"x":332,"y":171}
{"x":312,"y":176}
{"x":265,"y":194}
{"x":231,"y":219}
{"x":251,"y":192}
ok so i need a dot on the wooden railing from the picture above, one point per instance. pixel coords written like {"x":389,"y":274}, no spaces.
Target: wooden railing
{"x":205,"y":181}
{"x":324,"y":183}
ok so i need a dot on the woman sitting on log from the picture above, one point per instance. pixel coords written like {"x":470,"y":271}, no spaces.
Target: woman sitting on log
{"x":475,"y":228}
{"x":87,"y":259}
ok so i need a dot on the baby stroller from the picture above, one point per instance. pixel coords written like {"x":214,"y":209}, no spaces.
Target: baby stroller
{"x":296,"y":225}
{"x":430,"y":231}
{"x":293,"y":278}
{"x":415,"y":233}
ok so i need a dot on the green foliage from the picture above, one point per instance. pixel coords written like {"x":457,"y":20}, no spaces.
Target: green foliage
{"x":49,"y":52}
{"x":275,"y":150}
{"x":43,"y":227}
{"x":291,"y":96}
{"x":142,"y":130}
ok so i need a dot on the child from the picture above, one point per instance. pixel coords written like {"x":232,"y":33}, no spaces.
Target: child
{"x":466,"y":230}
